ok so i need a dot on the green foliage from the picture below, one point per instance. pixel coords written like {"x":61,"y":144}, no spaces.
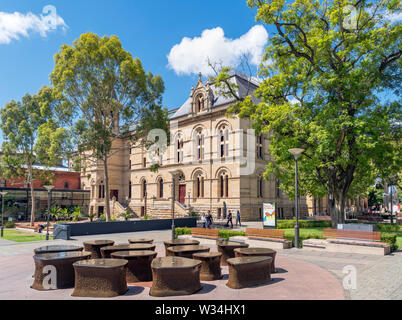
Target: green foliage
{"x":76,"y":214}
{"x":91,"y":216}
{"x":391,"y":239}
{"x":146,"y":217}
{"x":180,"y":231}
{"x":10,"y":225}
{"x":302,"y":236}
{"x":388,"y":227}
{"x":103,"y":90}
{"x":102,"y":218}
{"x":126,"y":215}
{"x":193,"y":214}
{"x":226,"y":234}
{"x":321,"y":91}
{"x":288,"y":224}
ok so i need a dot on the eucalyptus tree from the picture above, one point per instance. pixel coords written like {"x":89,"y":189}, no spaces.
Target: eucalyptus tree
{"x":105,"y":90}
{"x":32,"y":136}
{"x":331,"y":76}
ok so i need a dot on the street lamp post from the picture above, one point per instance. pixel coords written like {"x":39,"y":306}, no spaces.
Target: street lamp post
{"x":49,"y":190}
{"x":296,"y":152}
{"x":392,"y":218}
{"x":3,"y":193}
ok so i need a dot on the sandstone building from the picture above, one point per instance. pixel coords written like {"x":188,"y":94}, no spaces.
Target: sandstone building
{"x":212,"y":163}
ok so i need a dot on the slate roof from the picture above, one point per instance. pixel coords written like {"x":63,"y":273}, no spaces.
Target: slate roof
{"x":244,"y":87}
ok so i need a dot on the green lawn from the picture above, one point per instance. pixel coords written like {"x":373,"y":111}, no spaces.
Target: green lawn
{"x":20,"y":236}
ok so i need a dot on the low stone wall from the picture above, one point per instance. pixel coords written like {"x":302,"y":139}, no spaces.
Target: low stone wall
{"x":67,"y":230}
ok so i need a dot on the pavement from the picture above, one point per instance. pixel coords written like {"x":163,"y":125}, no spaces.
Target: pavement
{"x":302,"y":274}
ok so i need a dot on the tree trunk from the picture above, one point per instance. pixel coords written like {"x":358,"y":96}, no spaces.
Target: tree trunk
{"x":107,"y":195}
{"x":337,"y":201}
{"x":30,"y":181}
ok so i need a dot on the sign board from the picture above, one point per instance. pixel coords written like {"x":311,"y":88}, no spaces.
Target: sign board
{"x":269,"y":215}
{"x":396,"y":208}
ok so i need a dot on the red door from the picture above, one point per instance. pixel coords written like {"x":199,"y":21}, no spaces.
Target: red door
{"x":182,"y":193}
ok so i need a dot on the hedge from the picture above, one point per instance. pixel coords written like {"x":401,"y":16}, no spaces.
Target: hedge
{"x":388,"y":227}
{"x":225,"y":234}
{"x":289,"y":224}
{"x":391,"y":239}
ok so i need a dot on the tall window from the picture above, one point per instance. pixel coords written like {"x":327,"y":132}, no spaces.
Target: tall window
{"x":160,"y":188}
{"x":260,"y":181}
{"x":199,"y":103}
{"x":223,"y":185}
{"x":129,"y":190}
{"x":101,"y":191}
{"x":199,"y":186}
{"x":224,"y":141}
{"x":199,"y":145}
{"x":277,"y":189}
{"x":143,"y":188}
{"x":260,"y":150}
{"x":179,"y":150}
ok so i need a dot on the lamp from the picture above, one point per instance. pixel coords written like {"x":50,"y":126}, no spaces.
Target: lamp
{"x":296,"y":152}
{"x":49,"y":190}
{"x":3,"y":193}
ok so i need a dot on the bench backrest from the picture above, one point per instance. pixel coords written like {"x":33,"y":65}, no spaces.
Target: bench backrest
{"x":205,"y":232}
{"x":271,"y":233}
{"x":352,"y":234}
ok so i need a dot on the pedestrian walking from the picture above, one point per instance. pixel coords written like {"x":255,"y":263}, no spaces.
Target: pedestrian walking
{"x":209,"y":219}
{"x":203,"y":220}
{"x":230,"y":220}
{"x":238,"y":218}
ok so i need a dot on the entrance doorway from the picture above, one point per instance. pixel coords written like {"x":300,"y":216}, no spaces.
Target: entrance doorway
{"x":114,"y":193}
{"x":182,"y":193}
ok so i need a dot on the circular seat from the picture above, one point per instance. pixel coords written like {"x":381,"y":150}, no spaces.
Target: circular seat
{"x":247,"y":272}
{"x":249,"y":252}
{"x":175,"y":276}
{"x":210,"y":265}
{"x":186,"y":251}
{"x":55,"y":270}
{"x":57,"y":248}
{"x":107,"y":251}
{"x":227,"y":249}
{"x":179,"y":242}
{"x":94,"y":246}
{"x":133,"y":241}
{"x":100,"y":278}
{"x":139,"y":264}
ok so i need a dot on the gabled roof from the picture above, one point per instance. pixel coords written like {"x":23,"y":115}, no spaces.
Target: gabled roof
{"x":245,"y":87}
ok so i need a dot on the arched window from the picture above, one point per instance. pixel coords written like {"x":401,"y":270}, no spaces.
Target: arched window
{"x":143,"y":188}
{"x":199,"y":185}
{"x":224,"y":141}
{"x":260,"y":182}
{"x":101,"y":190}
{"x":223,"y":185}
{"x":179,"y":149}
{"x":160,"y":188}
{"x":260,"y":149}
{"x":199,"y":102}
{"x":199,"y":145}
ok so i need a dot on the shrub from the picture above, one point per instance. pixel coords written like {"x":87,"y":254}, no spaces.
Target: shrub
{"x":302,"y":236}
{"x":180,"y":231}
{"x":10,"y":225}
{"x":91,"y":216}
{"x":193,"y":214}
{"x":126,"y":215}
{"x":289,"y":224}
{"x":388,"y":227}
{"x":146,"y":217}
{"x":226,"y":234}
{"x":391,"y":239}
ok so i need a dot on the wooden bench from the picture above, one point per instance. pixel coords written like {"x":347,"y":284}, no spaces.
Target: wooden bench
{"x":352,"y":241}
{"x":265,"y":234}
{"x":205,"y":233}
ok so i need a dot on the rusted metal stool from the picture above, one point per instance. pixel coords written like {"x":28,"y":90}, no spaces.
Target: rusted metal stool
{"x":250,"y":252}
{"x":138,"y":268}
{"x":247,"y":272}
{"x":227,"y":249}
{"x":178,"y":242}
{"x":100,"y":278}
{"x":57,"y":248}
{"x":62,"y":262}
{"x":186,"y":251}
{"x":175,"y":276}
{"x":140,"y":241}
{"x":95,"y":246}
{"x":210,"y":265}
{"x":107,"y":251}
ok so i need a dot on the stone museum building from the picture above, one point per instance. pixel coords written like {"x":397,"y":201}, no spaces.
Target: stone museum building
{"x":213,"y":162}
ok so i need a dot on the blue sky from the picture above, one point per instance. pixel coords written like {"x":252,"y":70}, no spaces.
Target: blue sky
{"x":148,"y":29}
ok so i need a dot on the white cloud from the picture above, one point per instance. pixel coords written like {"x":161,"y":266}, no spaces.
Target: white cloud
{"x":14,"y":25}
{"x":190,"y":56}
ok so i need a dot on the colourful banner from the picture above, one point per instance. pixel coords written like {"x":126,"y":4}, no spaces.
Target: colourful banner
{"x":269,"y":212}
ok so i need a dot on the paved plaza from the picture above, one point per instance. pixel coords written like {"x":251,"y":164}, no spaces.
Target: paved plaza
{"x":301,"y":274}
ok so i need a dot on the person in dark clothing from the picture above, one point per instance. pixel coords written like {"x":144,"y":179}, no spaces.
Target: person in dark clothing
{"x":238,"y":218}
{"x":209,"y":219}
{"x":230,"y":220}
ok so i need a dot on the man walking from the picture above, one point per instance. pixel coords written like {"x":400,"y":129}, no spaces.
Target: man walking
{"x":238,"y":218}
{"x":209,"y":219}
{"x":230,"y":220}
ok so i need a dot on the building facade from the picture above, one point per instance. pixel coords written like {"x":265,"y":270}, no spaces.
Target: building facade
{"x":213,"y":162}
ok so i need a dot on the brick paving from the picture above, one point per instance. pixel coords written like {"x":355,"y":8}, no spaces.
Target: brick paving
{"x":304,"y":274}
